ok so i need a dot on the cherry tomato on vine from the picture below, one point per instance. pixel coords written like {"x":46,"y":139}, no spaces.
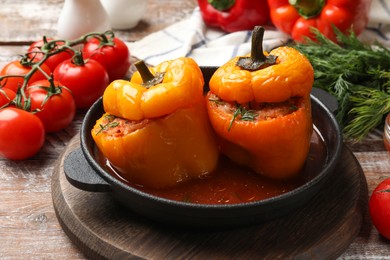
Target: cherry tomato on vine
{"x":379,"y":206}
{"x":87,"y":80}
{"x":115,"y":59}
{"x":16,"y":68}
{"x":22,"y":134}
{"x":54,"y":104}
{"x":6,"y":96}
{"x":37,"y":51}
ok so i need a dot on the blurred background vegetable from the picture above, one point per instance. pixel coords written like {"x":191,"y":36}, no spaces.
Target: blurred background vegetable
{"x":234,"y":15}
{"x":296,"y":17}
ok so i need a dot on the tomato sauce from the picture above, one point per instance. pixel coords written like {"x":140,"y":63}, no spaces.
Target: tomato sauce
{"x":232,"y":183}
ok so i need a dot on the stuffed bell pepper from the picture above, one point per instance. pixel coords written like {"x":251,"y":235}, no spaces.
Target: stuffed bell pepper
{"x":156,"y":131}
{"x":261,"y":110}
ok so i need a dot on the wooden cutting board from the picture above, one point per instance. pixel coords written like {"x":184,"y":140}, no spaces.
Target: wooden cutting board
{"x":323,"y":228}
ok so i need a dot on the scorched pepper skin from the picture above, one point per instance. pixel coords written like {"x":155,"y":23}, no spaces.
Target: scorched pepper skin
{"x":172,"y":141}
{"x":275,"y":147}
{"x":346,"y":15}
{"x":243,"y":15}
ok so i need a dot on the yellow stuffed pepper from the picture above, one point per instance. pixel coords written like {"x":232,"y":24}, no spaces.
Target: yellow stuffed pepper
{"x":155,"y":131}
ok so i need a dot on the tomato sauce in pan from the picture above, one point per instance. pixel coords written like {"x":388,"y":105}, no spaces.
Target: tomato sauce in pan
{"x":232,"y":183}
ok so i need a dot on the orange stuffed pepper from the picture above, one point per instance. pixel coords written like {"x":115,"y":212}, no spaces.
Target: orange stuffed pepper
{"x":261,"y":110}
{"x":156,"y":131}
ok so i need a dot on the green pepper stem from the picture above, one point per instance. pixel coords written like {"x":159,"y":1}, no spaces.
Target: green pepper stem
{"x":144,"y":71}
{"x":222,"y":5}
{"x":308,"y":8}
{"x":148,"y":78}
{"x":257,"y":60}
{"x":257,"y":52}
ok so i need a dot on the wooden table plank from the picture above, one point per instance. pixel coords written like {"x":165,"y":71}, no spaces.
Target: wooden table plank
{"x":28,"y":225}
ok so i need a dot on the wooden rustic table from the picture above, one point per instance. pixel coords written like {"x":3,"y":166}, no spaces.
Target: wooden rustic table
{"x":29,"y":228}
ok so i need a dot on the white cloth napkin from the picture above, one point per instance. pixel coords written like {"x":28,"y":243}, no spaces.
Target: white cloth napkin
{"x":378,"y":28}
{"x":213,"y":47}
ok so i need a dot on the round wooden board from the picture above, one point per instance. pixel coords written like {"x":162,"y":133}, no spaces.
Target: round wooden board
{"x":323,"y":228}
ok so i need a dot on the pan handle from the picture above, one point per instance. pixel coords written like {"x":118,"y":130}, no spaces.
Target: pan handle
{"x":81,"y":175}
{"x":329,"y":101}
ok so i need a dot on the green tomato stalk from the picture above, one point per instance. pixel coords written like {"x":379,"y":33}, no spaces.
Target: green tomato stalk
{"x":50,"y":48}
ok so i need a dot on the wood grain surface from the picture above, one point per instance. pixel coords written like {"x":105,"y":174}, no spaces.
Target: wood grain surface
{"x":22,"y":22}
{"x":323,"y":228}
{"x":29,"y":228}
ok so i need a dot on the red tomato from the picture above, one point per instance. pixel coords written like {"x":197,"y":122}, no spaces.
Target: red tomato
{"x":36,"y":52}
{"x":115,"y":59}
{"x":22,"y":134}
{"x":87,"y":82}
{"x":6,"y":96}
{"x":379,"y":205}
{"x":55,"y":104}
{"x":15,"y":68}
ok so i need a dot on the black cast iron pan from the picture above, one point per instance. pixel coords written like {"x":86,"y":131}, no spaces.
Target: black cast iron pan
{"x":83,"y":171}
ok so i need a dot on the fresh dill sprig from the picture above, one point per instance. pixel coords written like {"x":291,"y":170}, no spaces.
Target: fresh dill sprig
{"x":368,"y":108}
{"x":110,"y":124}
{"x":241,"y":113}
{"x":357,"y":74}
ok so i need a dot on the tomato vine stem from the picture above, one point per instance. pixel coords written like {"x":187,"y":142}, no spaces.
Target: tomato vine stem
{"x":50,"y":48}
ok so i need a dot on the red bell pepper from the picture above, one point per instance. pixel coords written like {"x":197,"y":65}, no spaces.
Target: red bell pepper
{"x":234,"y":15}
{"x":296,"y":17}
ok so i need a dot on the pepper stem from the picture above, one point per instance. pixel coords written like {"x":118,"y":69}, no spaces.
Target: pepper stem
{"x":148,"y":78}
{"x":308,"y":8}
{"x":257,"y":58}
{"x":222,"y":5}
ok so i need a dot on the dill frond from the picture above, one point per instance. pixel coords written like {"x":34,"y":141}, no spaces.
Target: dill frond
{"x":357,"y":74}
